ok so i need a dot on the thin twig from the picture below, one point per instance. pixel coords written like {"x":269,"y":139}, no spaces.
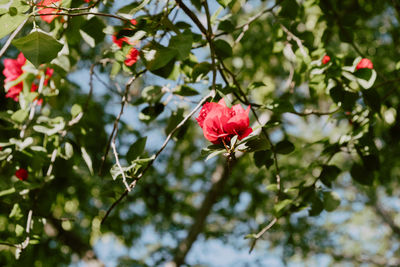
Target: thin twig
{"x":8,"y":244}
{"x":124,"y":101}
{"x":117,"y":161}
{"x":85,"y":13}
{"x":23,"y":245}
{"x":133,"y":184}
{"x":54,"y":6}
{"x":211,"y":44}
{"x":52,"y":160}
{"x":261,"y":233}
{"x":295,"y":38}
{"x":192,"y":16}
{"x":315,"y":112}
{"x":32,"y":107}
{"x":245,"y":26}
{"x":12,"y":36}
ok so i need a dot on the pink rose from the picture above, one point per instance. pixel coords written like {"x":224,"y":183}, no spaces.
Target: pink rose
{"x":46,"y":10}
{"x":131,"y":57}
{"x":12,"y":70}
{"x":220,"y":123}
{"x":365,"y":63}
{"x":326,"y":59}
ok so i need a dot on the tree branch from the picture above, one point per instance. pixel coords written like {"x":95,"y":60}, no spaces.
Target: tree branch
{"x":219,"y":180}
{"x":12,"y":36}
{"x":133,"y":184}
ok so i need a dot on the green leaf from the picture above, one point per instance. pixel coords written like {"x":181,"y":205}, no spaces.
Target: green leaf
{"x":157,"y":56}
{"x":136,"y":149}
{"x":256,"y":144}
{"x":349,"y":100}
{"x":224,"y":3}
{"x":317,"y":206}
{"x":5,"y":153}
{"x":372,"y":99}
{"x":185,"y":90}
{"x":272,"y":187}
{"x":250,"y":236}
{"x":152,"y":94}
{"x":197,"y":4}
{"x":226,"y":26}
{"x":337,"y":94}
{"x":212,"y":151}
{"x":215,"y":153}
{"x":289,"y":9}
{"x":182,"y":43}
{"x":94,"y":29}
{"x":280,"y":106}
{"x":151,"y":112}
{"x":371,"y":162}
{"x":262,"y":158}
{"x":7,"y":192}
{"x":284,"y":147}
{"x":38,"y":47}
{"x":175,"y":118}
{"x":88,"y":39}
{"x":331,"y":201}
{"x":271,"y":123}
{"x":366,"y":77}
{"x":10,"y":23}
{"x":55,"y":125}
{"x":16,"y":212}
{"x":13,"y":11}
{"x":280,"y":206}
{"x":200,"y":70}
{"x":328,"y":174}
{"x":75,"y":110}
{"x":20,"y":115}
{"x":19,"y":230}
{"x":69,"y":150}
{"x":87,"y":160}
{"x":21,"y":145}
{"x":361,"y":174}
{"x":131,"y":9}
{"x":223,"y":48}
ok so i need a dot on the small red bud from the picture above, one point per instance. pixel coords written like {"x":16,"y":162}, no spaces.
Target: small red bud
{"x":22,"y":174}
{"x":326,"y":59}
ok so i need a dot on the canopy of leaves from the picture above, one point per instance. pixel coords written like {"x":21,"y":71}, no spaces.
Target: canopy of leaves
{"x":113,"y":152}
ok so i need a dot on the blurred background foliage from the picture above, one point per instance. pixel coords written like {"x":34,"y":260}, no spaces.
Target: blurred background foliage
{"x":330,"y":132}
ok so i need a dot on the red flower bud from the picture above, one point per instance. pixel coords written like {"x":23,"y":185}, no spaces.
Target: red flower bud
{"x":22,"y":174}
{"x":365,"y":63}
{"x":326,"y":59}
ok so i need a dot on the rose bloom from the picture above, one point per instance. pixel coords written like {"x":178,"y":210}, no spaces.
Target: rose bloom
{"x":365,"y":63}
{"x":220,"y":123}
{"x":326,"y":59}
{"x":131,"y":57}
{"x":46,"y":10}
{"x":22,"y":174}
{"x":12,"y":70}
